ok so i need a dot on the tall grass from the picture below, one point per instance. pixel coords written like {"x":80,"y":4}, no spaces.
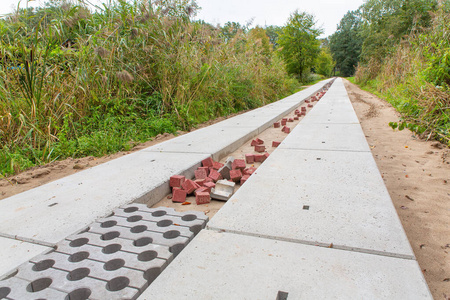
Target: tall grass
{"x":416,"y":79}
{"x":75,"y":82}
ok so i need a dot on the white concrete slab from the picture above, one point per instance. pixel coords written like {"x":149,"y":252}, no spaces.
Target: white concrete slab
{"x":51,"y":212}
{"x":229,"y":266}
{"x":348,"y":204}
{"x":339,"y":137}
{"x":14,"y":253}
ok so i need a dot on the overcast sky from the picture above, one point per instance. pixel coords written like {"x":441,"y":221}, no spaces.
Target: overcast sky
{"x":264,"y":12}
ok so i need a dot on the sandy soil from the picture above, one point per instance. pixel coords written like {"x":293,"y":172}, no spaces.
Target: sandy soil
{"x":417,"y":176}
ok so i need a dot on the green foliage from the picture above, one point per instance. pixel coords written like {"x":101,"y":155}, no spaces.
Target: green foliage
{"x":324,"y":63}
{"x":385,"y":22}
{"x":75,"y":82}
{"x":273,"y":32}
{"x":346,"y":43}
{"x":299,"y":44}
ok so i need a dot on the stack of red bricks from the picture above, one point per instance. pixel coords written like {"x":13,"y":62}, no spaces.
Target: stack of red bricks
{"x":206,"y":177}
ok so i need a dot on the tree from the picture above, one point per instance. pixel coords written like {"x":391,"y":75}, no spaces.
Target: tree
{"x":346,"y":43}
{"x":324,"y":63}
{"x":273,"y":32}
{"x":386,"y":22}
{"x":259,"y":38}
{"x":299,"y":44}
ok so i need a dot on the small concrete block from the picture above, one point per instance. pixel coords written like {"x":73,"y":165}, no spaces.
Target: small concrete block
{"x":249,"y":158}
{"x":275,"y":144}
{"x":209,"y":186}
{"x":215,"y":176}
{"x":276,"y":125}
{"x":249,"y":171}
{"x":201,"y":190}
{"x":200,"y":174}
{"x":179,"y":196}
{"x":239,"y":164}
{"x":236,"y":175}
{"x":202,"y":198}
{"x":244,"y":179}
{"x":177,"y":180}
{"x":207,"y":162}
{"x":189,"y":186}
{"x":225,"y":172}
{"x":260,"y":148}
{"x":223,"y":191}
{"x":217,"y":165}
{"x":259,"y":157}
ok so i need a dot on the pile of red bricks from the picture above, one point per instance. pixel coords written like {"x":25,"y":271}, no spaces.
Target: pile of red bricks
{"x":205,"y":178}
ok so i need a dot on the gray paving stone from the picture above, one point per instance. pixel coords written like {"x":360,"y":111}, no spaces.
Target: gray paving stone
{"x":136,"y":177}
{"x":229,"y":266}
{"x":19,"y":289}
{"x":339,"y":137}
{"x":317,"y":197}
{"x":14,"y":253}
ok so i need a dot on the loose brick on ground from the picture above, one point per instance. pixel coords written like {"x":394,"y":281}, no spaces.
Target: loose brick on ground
{"x":209,"y":186}
{"x":201,"y":190}
{"x":189,"y":186}
{"x":176,"y":180}
{"x":202,"y":198}
{"x":249,"y":171}
{"x":253,"y":143}
{"x":236,"y":175}
{"x":206,"y":169}
{"x":179,"y":196}
{"x":208,"y":162}
{"x":200,"y":182}
{"x":214,"y":175}
{"x":260,"y":148}
{"x":249,"y":158}
{"x":200,"y":174}
{"x":217,"y":165}
{"x":259,"y":157}
{"x":259,"y":141}
{"x":244,"y":179}
{"x":275,"y":144}
{"x":239,"y":164}
{"x":276,"y":125}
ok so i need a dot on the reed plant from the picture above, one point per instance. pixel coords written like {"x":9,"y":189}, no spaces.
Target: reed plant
{"x":76,"y":82}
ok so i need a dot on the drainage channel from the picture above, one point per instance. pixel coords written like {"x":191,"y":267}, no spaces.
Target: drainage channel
{"x":272,"y":137}
{"x":118,"y":257}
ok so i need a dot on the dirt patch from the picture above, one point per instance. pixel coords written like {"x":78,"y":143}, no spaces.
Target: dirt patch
{"x":417,"y":176}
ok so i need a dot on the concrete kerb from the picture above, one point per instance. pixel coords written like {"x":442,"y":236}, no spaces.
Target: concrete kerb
{"x":244,"y":267}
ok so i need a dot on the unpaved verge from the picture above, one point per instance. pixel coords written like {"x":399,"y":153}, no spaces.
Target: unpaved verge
{"x":417,"y":176}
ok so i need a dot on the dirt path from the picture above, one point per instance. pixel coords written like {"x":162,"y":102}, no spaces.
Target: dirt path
{"x":417,"y":175}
